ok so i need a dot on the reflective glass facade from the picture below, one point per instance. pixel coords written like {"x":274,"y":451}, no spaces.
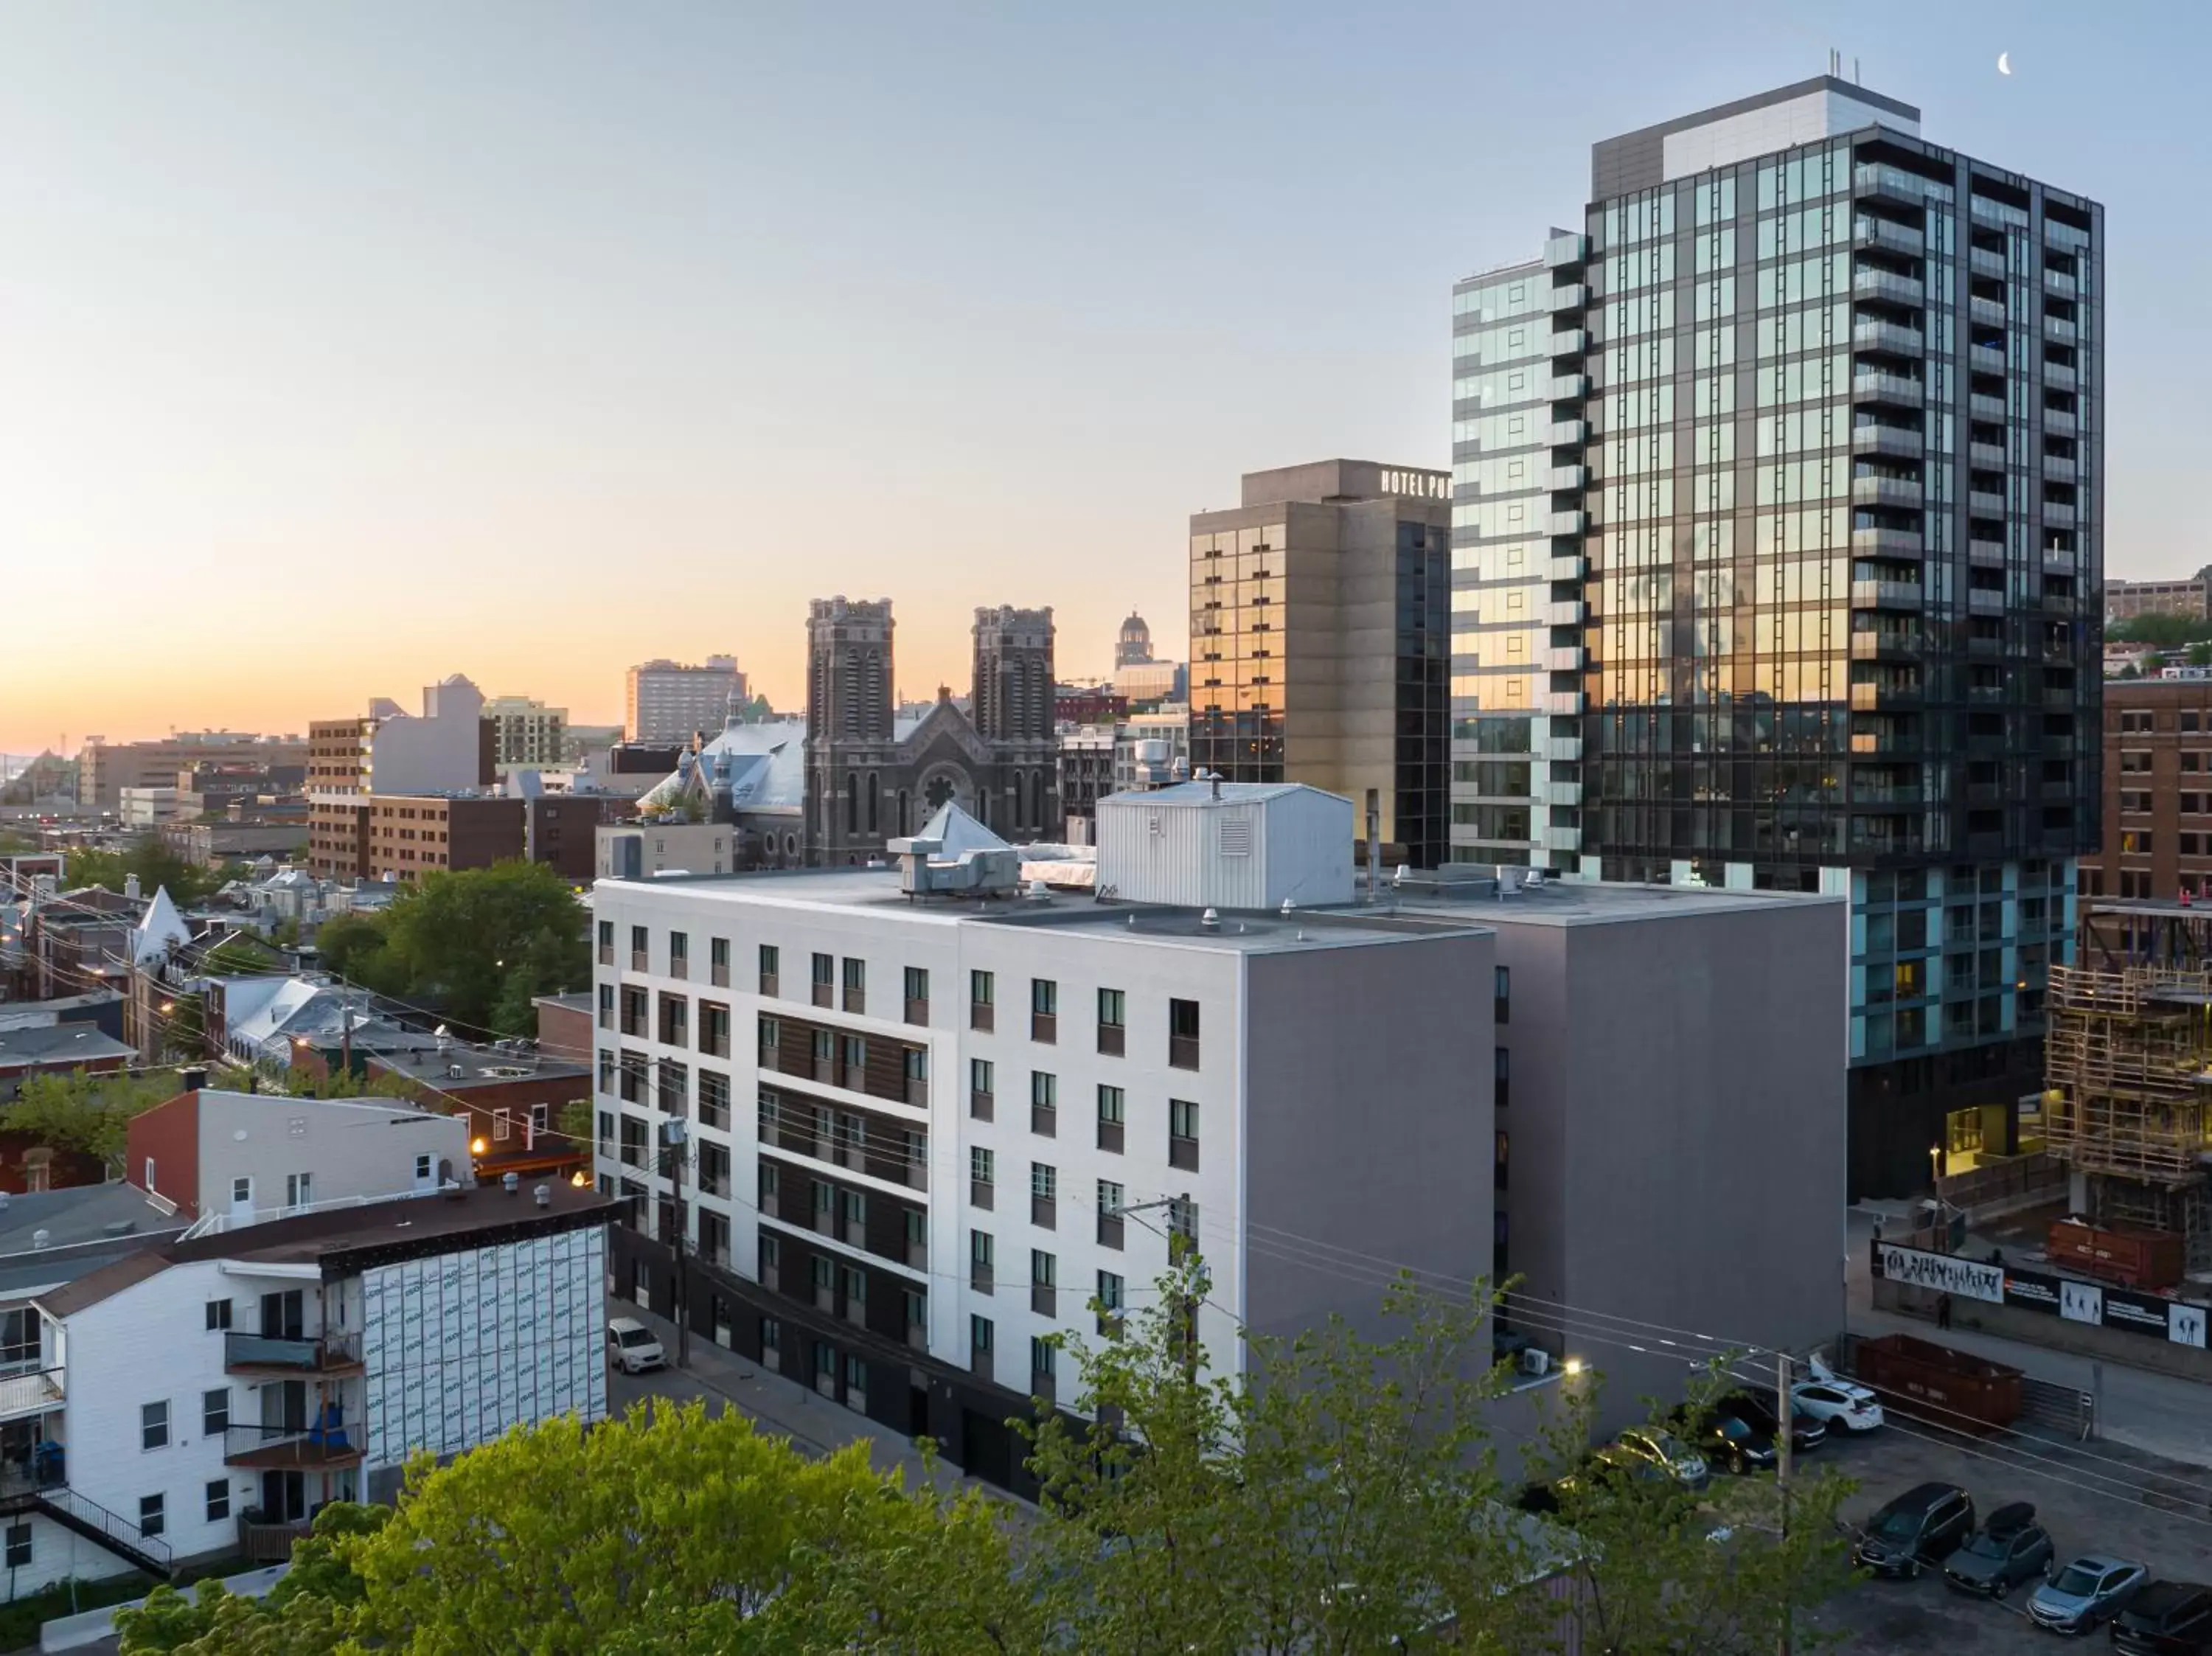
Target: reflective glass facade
{"x":1832,"y":415}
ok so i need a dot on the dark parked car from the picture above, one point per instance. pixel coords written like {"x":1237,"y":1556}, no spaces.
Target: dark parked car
{"x":1726,"y":1442}
{"x":2092,"y":1589}
{"x":2166,"y":1618}
{"x":1922,"y":1526}
{"x":1806,"y":1431}
{"x":2011,"y":1549}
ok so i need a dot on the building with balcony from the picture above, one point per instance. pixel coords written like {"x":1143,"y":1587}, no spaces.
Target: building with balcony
{"x":1827,"y":518}
{"x":922,"y":1121}
{"x":525,"y":732}
{"x":1319,"y":608}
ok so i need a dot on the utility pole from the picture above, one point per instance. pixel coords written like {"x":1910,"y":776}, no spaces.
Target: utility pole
{"x":674,"y":1144}
{"x":1783,"y":1409}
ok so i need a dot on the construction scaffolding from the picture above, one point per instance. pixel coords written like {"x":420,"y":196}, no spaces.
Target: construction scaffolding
{"x":2128,"y":1072}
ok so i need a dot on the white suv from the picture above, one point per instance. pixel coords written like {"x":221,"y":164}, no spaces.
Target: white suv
{"x":633,"y":1346}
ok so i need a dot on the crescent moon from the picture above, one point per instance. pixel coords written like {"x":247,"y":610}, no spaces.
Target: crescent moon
{"x":2004,"y":63}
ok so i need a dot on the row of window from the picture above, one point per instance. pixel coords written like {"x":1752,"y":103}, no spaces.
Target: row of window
{"x":844,"y":983}
{"x":1112,"y":1118}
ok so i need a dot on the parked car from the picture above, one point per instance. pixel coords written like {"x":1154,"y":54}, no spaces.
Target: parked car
{"x":2092,"y":1589}
{"x":633,"y":1346}
{"x":2166,"y":1618}
{"x":1838,"y":1403}
{"x":1643,"y":1450}
{"x":1922,"y":1526}
{"x":1806,"y":1430}
{"x":2009,"y":1548}
{"x":1726,"y":1441}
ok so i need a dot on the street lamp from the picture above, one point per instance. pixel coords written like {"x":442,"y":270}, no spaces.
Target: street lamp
{"x":476,"y":1146}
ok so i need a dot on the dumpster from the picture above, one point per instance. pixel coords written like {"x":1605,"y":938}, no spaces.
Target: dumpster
{"x":1934,"y":1383}
{"x":2149,"y":1259}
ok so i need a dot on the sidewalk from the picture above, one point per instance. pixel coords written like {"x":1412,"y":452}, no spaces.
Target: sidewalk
{"x":812,"y":1422}
{"x":2159,"y":1414}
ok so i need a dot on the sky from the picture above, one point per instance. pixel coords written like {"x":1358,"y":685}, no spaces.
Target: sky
{"x":346,"y":346}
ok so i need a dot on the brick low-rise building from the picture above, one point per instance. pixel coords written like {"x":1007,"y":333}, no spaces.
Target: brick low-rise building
{"x":2157,"y":804}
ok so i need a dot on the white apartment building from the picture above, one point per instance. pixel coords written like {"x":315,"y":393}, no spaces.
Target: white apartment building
{"x":340,"y":1299}
{"x":929,"y":1121}
{"x":670,"y":701}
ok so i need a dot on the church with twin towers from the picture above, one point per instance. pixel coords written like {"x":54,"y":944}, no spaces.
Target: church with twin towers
{"x":873,"y":774}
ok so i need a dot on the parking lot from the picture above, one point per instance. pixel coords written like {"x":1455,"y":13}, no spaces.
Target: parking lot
{"x":2099,"y":1497}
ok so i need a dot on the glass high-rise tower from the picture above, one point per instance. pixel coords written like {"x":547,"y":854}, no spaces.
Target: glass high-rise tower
{"x":1777,"y":547}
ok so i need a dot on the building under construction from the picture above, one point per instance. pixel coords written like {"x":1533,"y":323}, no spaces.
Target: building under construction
{"x":2128,"y":1071}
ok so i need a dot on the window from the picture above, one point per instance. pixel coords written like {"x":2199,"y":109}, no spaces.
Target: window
{"x":218,"y":1314}
{"x":856,"y":986}
{"x":502,"y":1119}
{"x":1112,"y":1011}
{"x":714,"y":1029}
{"x":1503,"y":1010}
{"x":1109,"y":1300}
{"x":917,"y":988}
{"x":153,"y":1426}
{"x":980,"y":1083}
{"x":150,"y":1185}
{"x":982,"y":1166}
{"x":718,"y":962}
{"x":218,"y":1500}
{"x":1044,"y":1269}
{"x":679,"y":955}
{"x":825,"y":978}
{"x":151,"y":1519}
{"x":606,"y":1006}
{"x":979,"y":1335}
{"x":1044,"y":1180}
{"x":639,"y":945}
{"x":770,"y":963}
{"x":1044,"y":1102}
{"x":606,"y":943}
{"x":1182,"y":1035}
{"x":982,"y":992}
{"x":980,"y":1259}
{"x":714,"y":1099}
{"x":541,"y":1118}
{"x":241,"y":1192}
{"x":19,"y":1545}
{"x":1502,"y":1064}
{"x":1182,"y":1134}
{"x":1041,"y":1354}
{"x":215,"y":1411}
{"x":675,"y":1021}
{"x":1044,"y":997}
{"x":1182,"y":1218}
{"x":1498,"y":1173}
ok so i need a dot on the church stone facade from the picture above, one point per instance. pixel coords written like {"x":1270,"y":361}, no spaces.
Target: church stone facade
{"x":873,"y":777}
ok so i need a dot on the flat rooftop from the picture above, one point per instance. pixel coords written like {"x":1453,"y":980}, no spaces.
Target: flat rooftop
{"x":1412,"y":910}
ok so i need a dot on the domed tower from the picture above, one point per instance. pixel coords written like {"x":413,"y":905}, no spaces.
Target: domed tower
{"x":1134,"y":645}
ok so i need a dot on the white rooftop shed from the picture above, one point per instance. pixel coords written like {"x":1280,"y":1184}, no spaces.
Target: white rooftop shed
{"x":1226,"y":844}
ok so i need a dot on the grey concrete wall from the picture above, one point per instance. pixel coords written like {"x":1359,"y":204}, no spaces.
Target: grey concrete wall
{"x":1367,"y":1122}
{"x":1705,"y":1169}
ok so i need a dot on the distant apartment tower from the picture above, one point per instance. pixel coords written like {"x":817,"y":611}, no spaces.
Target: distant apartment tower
{"x":668,"y":701}
{"x":2124,"y":600}
{"x":1784,"y":473}
{"x":525,"y":732}
{"x":104,"y":768}
{"x":1319,"y":632}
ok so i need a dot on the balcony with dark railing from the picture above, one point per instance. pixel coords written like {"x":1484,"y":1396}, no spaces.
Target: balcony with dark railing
{"x":312,"y":1447}
{"x":261,"y":1354}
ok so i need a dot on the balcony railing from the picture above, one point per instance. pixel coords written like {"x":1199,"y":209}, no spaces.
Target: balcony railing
{"x":331,"y":1354}
{"x":274,"y":1448}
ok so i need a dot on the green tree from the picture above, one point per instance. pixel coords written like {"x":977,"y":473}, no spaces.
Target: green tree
{"x":305,"y":1614}
{"x":1337,"y":1495}
{"x":85,"y":1111}
{"x":664,"y":1531}
{"x":2200,"y":654}
{"x":156,"y":866}
{"x":1659,"y":1568}
{"x":476,"y":940}
{"x":2153,"y":665}
{"x":186,"y":1032}
{"x":2169,"y":632}
{"x":353,"y":947}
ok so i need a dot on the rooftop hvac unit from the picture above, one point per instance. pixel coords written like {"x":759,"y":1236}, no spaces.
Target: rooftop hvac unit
{"x":1535,"y":1361}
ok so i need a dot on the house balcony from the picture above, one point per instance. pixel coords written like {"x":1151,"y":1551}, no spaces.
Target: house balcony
{"x":1889,"y":235}
{"x":1567,"y":566}
{"x":1565,"y":658}
{"x":1570,"y":342}
{"x":1986,"y":600}
{"x":1570,"y":387}
{"x":1572,"y":296}
{"x":1885,"y":595}
{"x":1984,"y":262}
{"x":1566,"y":794}
{"x":1885,"y":542}
{"x":2059,"y":421}
{"x":1985,"y":554}
{"x":2055,"y":562}
{"x":1563,"y":703}
{"x":1563,"y":839}
{"x":2059,"y":283}
{"x":1568,"y":523}
{"x":1893,"y":389}
{"x":1867,"y":283}
{"x":1886,"y":491}
{"x":289,"y":1448}
{"x":1982,"y":505}
{"x":2058,"y":328}
{"x":1566,"y":612}
{"x":1986,"y":359}
{"x":1566,"y":477}
{"x":28,"y":1393}
{"x":1885,"y":646}
{"x":1989,"y":457}
{"x":1990,"y":408}
{"x":1986,"y":310}
{"x":1568,"y":434}
{"x":334,"y":1356}
{"x":1872,"y":334}
{"x":1881,"y":183}
{"x":1568,"y":248}
{"x":2059,"y":376}
{"x":2058,"y":514}
{"x":1903,"y":441}
{"x":2059,"y":470}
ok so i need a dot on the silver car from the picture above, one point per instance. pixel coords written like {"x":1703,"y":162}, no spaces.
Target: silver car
{"x":2091,"y":1590}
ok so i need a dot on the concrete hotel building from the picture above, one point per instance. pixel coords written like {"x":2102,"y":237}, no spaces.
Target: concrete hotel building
{"x":925,"y":1131}
{"x":526,"y":732}
{"x":668,"y":701}
{"x":1782,"y":474}
{"x":1319,"y":617}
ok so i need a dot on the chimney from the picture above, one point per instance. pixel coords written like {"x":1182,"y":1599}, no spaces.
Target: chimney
{"x":130,"y":887}
{"x":544,"y":1193}
{"x":510,"y":1183}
